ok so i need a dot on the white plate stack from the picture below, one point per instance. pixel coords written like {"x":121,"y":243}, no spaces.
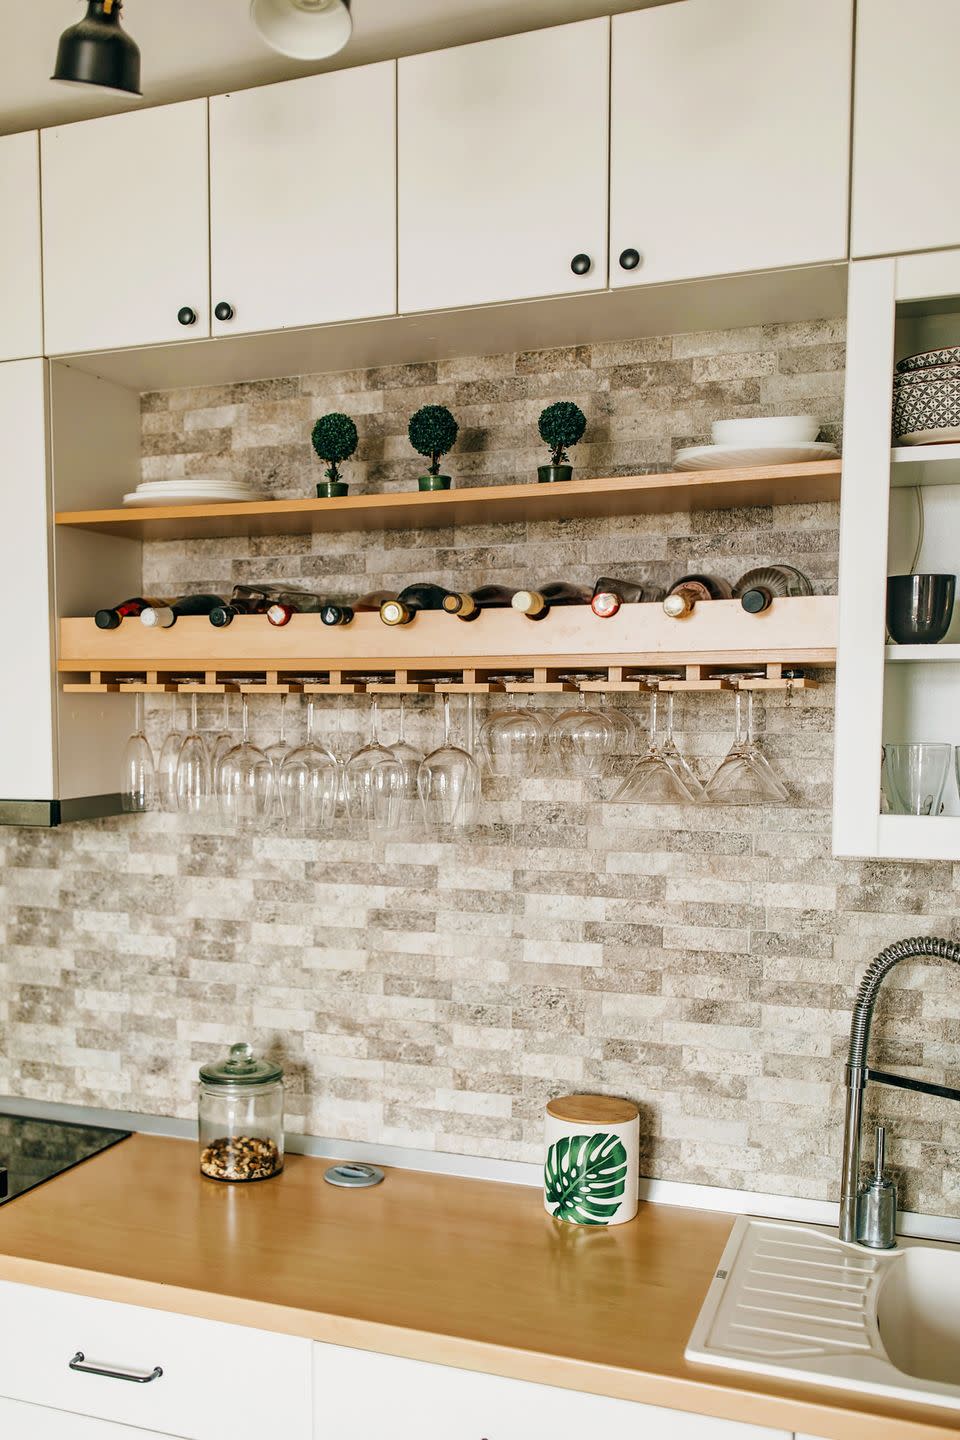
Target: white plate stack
{"x":191,"y":490}
{"x":768,"y":440}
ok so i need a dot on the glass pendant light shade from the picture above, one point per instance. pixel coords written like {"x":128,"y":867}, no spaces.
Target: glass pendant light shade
{"x":303,"y":29}
{"x":98,"y":51}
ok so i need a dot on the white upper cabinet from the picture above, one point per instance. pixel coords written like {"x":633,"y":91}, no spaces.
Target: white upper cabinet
{"x":729,"y":137}
{"x":503,"y":168}
{"x":21,"y":305}
{"x":125,"y":229}
{"x":303,"y":201}
{"x":906,"y":122}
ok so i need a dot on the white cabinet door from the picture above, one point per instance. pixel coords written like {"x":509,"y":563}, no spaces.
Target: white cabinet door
{"x":27,"y":769}
{"x":21,"y":308}
{"x":503,"y":168}
{"x":375,"y":1395}
{"x":906,"y":120}
{"x":729,"y":137}
{"x":303,"y":200}
{"x":35,"y":1422}
{"x":126,"y":229}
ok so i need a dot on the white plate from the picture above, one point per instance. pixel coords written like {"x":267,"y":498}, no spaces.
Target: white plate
{"x":186,"y":497}
{"x":943,"y":436}
{"x":195,"y":488}
{"x":733,"y":457}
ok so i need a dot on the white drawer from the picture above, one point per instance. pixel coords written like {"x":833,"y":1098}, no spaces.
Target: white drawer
{"x":410,"y":1400}
{"x":36,"y":1422}
{"x":219,"y":1382}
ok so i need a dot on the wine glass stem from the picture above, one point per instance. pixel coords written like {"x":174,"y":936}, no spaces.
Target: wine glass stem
{"x":471,"y":722}
{"x":446,"y":719}
{"x":750,"y":734}
{"x":282,"y":738}
{"x":193,"y":712}
{"x":669,"y":726}
{"x":374,"y":719}
{"x":244,"y":712}
{"x":653,"y":719}
{"x":310,"y":721}
{"x":402,"y":721}
{"x":138,"y":713}
{"x":738,"y":719}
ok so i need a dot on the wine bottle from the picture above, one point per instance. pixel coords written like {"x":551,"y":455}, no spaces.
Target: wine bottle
{"x":225,"y":614}
{"x":163,"y":616}
{"x":468,"y":605}
{"x":537,"y":604}
{"x":686,"y":592}
{"x":757,"y":590}
{"x":610,"y":594}
{"x":341,"y":612}
{"x":110,"y":618}
{"x":422,"y":596}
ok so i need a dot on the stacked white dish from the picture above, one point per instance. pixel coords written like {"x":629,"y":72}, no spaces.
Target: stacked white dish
{"x":191,"y":490}
{"x":767,"y":440}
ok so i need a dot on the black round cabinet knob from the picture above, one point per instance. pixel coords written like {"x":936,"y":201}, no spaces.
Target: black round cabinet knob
{"x":581,"y":264}
{"x":224,"y":311}
{"x":629,"y":259}
{"x":186,"y":316}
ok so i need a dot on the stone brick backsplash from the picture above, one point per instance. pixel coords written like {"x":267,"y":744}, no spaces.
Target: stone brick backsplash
{"x":700,"y":960}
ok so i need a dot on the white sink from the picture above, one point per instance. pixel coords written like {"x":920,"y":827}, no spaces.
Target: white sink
{"x":795,"y":1302}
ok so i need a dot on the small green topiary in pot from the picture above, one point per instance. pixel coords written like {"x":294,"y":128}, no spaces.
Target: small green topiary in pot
{"x":433,"y":431}
{"x":335,"y":440}
{"x":561,"y":425}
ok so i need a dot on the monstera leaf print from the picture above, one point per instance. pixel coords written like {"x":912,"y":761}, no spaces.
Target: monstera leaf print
{"x":585,"y":1177}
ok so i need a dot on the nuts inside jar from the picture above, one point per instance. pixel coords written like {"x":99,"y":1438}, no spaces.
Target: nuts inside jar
{"x":240,"y":1157}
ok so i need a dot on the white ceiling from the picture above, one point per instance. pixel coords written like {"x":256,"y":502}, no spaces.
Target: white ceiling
{"x":205,"y":47}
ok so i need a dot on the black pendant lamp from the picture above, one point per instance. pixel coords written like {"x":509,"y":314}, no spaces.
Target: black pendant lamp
{"x":98,"y":51}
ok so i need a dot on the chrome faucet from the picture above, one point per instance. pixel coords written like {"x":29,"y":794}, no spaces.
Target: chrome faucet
{"x":858,"y":1072}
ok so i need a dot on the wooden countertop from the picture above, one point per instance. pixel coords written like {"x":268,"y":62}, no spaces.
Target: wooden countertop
{"x":460,"y":1272}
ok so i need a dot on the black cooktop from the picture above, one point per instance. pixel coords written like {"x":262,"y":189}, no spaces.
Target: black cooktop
{"x":32,"y":1151}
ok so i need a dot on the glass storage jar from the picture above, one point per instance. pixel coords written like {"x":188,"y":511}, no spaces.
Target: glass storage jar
{"x":241,"y":1117}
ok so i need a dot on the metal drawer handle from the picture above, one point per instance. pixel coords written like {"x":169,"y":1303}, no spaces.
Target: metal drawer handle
{"x":77,"y":1364}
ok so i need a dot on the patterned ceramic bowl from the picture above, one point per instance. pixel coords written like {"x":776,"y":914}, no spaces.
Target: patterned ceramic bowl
{"x":931,"y":409}
{"x":929,"y":359}
{"x":926,"y":377}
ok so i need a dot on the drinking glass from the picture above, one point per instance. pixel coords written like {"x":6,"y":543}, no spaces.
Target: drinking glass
{"x":245,"y":785}
{"x":915,"y":777}
{"x":511,"y":743}
{"x":278,"y":751}
{"x":671,"y":753}
{"x":309,"y":779}
{"x":449,"y":783}
{"x":744,"y":775}
{"x":655,"y":779}
{"x":193,"y":767}
{"x":583,"y":740}
{"x":409,"y":759}
{"x":168,"y":760}
{"x":373,"y":780}
{"x":757,"y":756}
{"x":223,"y":741}
{"x":138,"y":786}
{"x":626,"y":730}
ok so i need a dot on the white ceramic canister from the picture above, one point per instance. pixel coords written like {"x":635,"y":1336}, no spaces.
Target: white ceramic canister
{"x":591,"y":1170}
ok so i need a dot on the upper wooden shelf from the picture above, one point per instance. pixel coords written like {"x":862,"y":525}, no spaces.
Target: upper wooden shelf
{"x":480,"y":505}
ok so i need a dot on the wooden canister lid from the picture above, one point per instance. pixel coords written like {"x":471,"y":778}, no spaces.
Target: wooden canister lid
{"x":592,"y":1110}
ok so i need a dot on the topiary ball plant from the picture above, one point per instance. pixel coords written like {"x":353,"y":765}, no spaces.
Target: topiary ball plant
{"x":433,"y":431}
{"x":335,"y":440}
{"x":562,"y":425}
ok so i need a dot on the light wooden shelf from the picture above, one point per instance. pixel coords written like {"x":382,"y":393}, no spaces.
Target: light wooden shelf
{"x":923,"y":654}
{"x":924,"y":465}
{"x":717,"y":636}
{"x":476,"y":505}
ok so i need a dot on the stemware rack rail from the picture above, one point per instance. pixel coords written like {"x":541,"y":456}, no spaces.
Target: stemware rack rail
{"x":719,"y":646}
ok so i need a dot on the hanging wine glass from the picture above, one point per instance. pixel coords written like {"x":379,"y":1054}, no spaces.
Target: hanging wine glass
{"x":409,"y":759}
{"x":671,"y":753}
{"x":759,"y":759}
{"x":168,"y":760}
{"x":193,"y":767}
{"x":278,"y":751}
{"x":223,"y":741}
{"x":245,"y":786}
{"x":511,"y":743}
{"x":626,"y":730}
{"x":449,"y":783}
{"x":653,"y":780}
{"x":373,"y":780}
{"x":309,"y":779}
{"x":583,"y":740}
{"x":138,"y":783}
{"x":740,"y":779}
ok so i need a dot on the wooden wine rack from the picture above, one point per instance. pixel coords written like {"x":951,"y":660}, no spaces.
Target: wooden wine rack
{"x":719,"y":646}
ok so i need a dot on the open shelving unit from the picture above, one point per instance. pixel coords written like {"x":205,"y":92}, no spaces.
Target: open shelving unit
{"x":472,"y":505}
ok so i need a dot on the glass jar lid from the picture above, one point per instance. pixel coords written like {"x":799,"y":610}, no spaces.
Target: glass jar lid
{"x":241,"y":1067}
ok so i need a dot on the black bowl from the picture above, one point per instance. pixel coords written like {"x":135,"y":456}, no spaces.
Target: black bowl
{"x":920,"y":607}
